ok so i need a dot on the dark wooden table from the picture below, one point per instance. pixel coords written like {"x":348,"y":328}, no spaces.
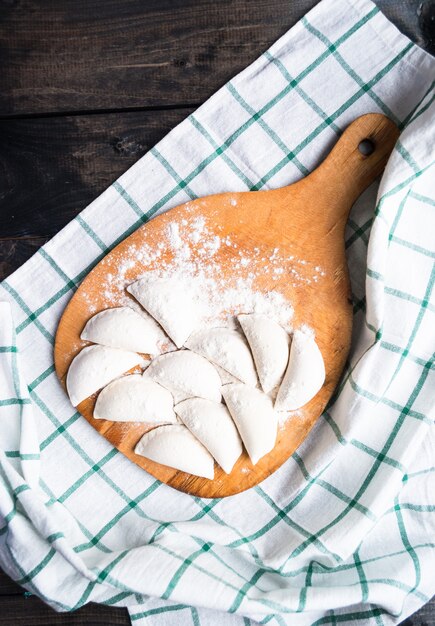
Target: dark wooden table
{"x":86,"y":88}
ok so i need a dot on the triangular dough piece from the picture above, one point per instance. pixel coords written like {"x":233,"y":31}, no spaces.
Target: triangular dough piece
{"x":253,"y":414}
{"x":176,"y":447}
{"x":167,"y":301}
{"x":186,"y":374}
{"x":123,"y":328}
{"x":305,"y":373}
{"x":95,"y":367}
{"x":211,"y":423}
{"x":228,"y":349}
{"x":269,"y":345}
{"x":225,"y":376}
{"x":135,"y":399}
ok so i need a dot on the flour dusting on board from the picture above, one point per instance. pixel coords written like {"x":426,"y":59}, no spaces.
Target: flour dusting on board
{"x":195,"y":264}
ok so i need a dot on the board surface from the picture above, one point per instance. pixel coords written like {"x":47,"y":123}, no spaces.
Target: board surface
{"x":304,"y":224}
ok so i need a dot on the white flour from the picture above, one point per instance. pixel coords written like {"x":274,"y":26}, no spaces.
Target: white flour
{"x":220,"y":296}
{"x":195,"y":264}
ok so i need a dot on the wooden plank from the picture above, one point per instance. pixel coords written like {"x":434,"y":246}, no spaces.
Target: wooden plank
{"x":424,"y":617}
{"x":14,"y":252}
{"x":103,"y":54}
{"x":22,"y":611}
{"x":8,"y":587}
{"x":55,"y":166}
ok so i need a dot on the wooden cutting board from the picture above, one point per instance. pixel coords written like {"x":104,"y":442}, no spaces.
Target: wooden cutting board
{"x":302,"y":223}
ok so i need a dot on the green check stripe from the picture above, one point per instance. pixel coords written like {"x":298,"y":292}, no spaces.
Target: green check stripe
{"x":293,"y":83}
{"x":220,"y":150}
{"x":366,"y":87}
{"x":80,"y":481}
{"x":304,"y":588}
{"x":127,"y":197}
{"x":407,"y":545}
{"x":419,"y":108}
{"x":359,"y":232}
{"x":168,"y":167}
{"x":403,"y":295}
{"x":16,"y":454}
{"x":378,"y":461}
{"x":83,"y":528}
{"x":204,"y":570}
{"x":272,"y":134}
{"x":334,"y":490}
{"x":282,"y":514}
{"x":417,"y":325}
{"x":13,"y":401}
{"x":241,"y":594}
{"x":28,"y":311}
{"x":71,"y":283}
{"x":390,"y":403}
{"x":182,"y":569}
{"x":374,"y":453}
{"x":418,"y":508}
{"x":411,"y":357}
{"x":422,"y":198}
{"x":362,"y":577}
{"x":36,"y":570}
{"x":406,"y":156}
{"x":4,"y":349}
{"x":92,"y":234}
{"x":399,"y":186}
{"x":356,"y":96}
{"x":39,"y":379}
{"x":131,"y":504}
{"x":413,"y":246}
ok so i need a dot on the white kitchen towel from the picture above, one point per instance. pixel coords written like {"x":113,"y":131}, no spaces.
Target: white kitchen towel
{"x":345,"y":530}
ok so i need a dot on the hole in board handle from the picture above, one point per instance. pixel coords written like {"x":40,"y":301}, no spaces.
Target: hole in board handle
{"x":366,"y":147}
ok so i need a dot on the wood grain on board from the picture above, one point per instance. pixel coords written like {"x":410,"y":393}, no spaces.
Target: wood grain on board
{"x":320,"y":204}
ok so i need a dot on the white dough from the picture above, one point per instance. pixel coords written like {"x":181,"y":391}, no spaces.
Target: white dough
{"x":269,"y":344}
{"x":228,"y":349}
{"x":176,"y":447}
{"x":253,"y":414}
{"x":94,"y":367}
{"x":135,"y":399}
{"x":225,"y":376}
{"x":167,"y":301}
{"x":121,"y":327}
{"x":186,"y":375}
{"x":304,"y":376}
{"x":211,"y":423}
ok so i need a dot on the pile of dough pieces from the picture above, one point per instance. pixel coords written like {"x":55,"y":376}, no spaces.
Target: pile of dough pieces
{"x":257,"y":371}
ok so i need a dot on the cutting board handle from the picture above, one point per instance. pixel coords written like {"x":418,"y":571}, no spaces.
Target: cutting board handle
{"x":356,"y":160}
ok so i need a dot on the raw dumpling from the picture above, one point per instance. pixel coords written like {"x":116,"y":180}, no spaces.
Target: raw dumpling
{"x":186,"y":375}
{"x":225,"y":376}
{"x":121,"y":327}
{"x":228,"y":349}
{"x":135,"y":399}
{"x":211,"y":423}
{"x":304,"y":376}
{"x":167,"y":301}
{"x":269,"y":345}
{"x":176,"y":447}
{"x":94,"y":367}
{"x":253,"y":414}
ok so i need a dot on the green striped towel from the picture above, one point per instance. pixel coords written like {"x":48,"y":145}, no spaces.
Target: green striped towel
{"x":345,"y":530}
